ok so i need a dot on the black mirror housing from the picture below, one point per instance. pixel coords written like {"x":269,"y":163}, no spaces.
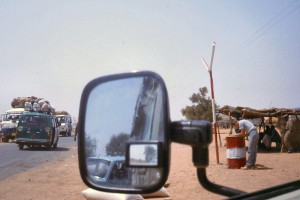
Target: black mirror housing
{"x":119,"y":116}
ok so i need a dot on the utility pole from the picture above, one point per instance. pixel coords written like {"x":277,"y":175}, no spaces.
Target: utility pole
{"x":209,"y":69}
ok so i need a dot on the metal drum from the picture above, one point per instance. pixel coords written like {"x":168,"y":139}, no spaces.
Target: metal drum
{"x":236,"y":152}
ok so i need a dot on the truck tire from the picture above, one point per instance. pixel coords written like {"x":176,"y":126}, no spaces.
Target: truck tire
{"x":49,"y":146}
{"x":21,"y":146}
{"x":55,"y":144}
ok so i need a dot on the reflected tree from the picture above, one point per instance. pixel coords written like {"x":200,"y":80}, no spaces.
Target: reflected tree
{"x":116,"y":145}
{"x":150,"y":153}
{"x":91,"y":146}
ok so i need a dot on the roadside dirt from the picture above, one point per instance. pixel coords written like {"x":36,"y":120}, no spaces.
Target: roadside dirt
{"x":60,"y":179}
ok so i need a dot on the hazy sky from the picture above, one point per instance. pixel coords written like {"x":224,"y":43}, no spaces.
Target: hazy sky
{"x":51,"y":49}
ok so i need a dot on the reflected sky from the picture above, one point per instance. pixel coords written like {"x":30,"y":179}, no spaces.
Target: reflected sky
{"x":110,"y":110}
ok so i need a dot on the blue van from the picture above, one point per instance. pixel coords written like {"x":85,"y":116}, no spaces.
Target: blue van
{"x":36,"y":130}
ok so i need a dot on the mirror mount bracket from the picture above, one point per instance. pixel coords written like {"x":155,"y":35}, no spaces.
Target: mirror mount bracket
{"x":196,"y":133}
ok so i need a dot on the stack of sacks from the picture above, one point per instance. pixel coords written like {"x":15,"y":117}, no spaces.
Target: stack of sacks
{"x":61,"y":112}
{"x":44,"y":105}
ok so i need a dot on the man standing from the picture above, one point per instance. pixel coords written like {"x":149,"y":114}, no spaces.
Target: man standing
{"x":287,"y":137}
{"x":246,"y":128}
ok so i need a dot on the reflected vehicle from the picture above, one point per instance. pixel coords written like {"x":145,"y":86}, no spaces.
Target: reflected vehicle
{"x":108,"y":169}
{"x":127,"y":116}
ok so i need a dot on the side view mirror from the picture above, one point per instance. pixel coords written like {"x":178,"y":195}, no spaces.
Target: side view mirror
{"x":124,"y":137}
{"x":124,"y":133}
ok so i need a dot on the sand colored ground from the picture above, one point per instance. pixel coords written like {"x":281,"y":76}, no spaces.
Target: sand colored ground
{"x":60,"y":179}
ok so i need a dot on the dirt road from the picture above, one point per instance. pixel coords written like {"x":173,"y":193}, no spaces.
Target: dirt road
{"x":61,"y":180}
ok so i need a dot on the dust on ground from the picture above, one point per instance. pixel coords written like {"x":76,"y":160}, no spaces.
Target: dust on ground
{"x":60,"y":179}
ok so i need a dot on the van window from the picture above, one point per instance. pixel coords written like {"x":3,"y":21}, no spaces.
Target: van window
{"x":61,"y":119}
{"x":32,"y":120}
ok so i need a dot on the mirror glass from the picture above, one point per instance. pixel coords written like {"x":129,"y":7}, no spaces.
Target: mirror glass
{"x":118,"y":112}
{"x":143,"y":155}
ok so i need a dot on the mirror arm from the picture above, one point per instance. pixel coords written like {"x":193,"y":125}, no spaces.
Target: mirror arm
{"x":215,"y":188}
{"x":198,"y":134}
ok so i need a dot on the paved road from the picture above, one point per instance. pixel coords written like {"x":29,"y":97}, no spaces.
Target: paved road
{"x":13,"y":160}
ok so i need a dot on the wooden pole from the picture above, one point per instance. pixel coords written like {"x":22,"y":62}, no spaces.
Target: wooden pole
{"x":209,"y":68}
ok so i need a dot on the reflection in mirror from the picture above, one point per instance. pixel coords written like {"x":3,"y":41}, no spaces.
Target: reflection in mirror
{"x":118,"y":112}
{"x":143,"y":154}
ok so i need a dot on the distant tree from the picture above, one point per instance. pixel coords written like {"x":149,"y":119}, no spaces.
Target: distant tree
{"x":91,"y":146}
{"x":116,"y":145}
{"x":201,"y":108}
{"x":150,"y":153}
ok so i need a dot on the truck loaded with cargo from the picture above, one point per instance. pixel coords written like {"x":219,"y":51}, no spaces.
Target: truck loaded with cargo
{"x":37,"y":125}
{"x":10,"y":118}
{"x":36,"y":129}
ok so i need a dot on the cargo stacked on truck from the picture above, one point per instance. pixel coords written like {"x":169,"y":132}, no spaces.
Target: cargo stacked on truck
{"x":37,"y":126}
{"x":65,"y":120}
{"x":19,"y":105}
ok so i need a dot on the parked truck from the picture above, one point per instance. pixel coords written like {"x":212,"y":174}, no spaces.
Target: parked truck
{"x":9,"y":122}
{"x":65,"y":120}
